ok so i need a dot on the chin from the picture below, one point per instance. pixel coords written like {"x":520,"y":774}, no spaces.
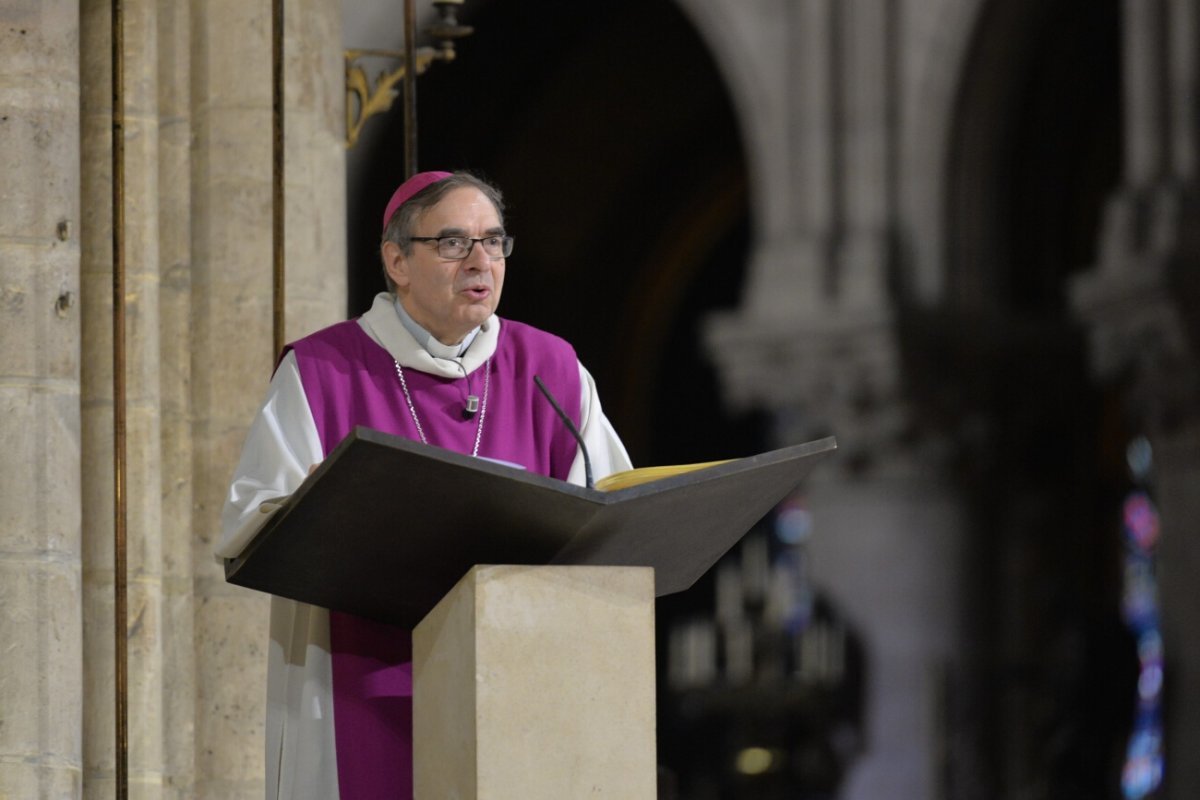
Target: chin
{"x":480,"y":316}
{"x":466,"y":325}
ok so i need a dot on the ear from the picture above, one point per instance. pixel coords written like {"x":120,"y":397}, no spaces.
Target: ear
{"x":395,"y":263}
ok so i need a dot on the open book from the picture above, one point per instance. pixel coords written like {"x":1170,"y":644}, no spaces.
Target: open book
{"x":636,"y":477}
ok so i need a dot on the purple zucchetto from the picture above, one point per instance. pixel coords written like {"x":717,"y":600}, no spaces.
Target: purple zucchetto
{"x":407,"y":189}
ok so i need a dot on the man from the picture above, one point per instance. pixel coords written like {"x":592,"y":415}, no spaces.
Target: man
{"x":430,"y":361}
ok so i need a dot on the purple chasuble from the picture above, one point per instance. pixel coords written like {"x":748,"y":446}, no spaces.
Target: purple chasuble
{"x":350,"y":380}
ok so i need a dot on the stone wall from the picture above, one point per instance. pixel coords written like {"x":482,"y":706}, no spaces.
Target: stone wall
{"x":198,"y":302}
{"x":41,"y":683}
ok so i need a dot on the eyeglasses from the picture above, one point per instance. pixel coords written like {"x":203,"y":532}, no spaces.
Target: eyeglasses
{"x":459,"y":247}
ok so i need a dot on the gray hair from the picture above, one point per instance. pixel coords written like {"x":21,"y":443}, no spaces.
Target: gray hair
{"x":399,"y":229}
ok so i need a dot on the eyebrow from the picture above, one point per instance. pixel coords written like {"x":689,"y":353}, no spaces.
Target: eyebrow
{"x":497,"y":231}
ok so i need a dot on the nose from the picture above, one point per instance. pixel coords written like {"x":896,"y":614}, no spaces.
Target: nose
{"x":477,"y":258}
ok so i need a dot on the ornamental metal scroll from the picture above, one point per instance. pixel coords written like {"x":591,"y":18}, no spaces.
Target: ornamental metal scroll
{"x":365,"y":99}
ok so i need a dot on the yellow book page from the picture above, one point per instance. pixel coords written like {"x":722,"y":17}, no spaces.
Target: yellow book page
{"x":636,"y":477}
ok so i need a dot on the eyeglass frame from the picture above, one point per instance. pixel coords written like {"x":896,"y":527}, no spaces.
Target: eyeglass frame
{"x":506,"y":244}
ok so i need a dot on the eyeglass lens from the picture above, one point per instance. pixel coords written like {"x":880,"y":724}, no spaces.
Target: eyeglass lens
{"x":460,"y":246}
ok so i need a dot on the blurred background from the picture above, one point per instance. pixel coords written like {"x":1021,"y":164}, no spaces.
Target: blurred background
{"x":958,"y":235}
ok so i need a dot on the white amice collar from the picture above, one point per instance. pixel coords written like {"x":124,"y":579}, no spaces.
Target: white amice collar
{"x":384,"y":324}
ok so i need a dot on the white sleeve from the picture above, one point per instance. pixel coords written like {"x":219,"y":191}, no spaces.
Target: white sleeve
{"x":281,"y":446}
{"x":604,"y":446}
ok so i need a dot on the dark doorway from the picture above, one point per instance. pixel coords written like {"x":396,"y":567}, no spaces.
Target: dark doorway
{"x":613,"y":138}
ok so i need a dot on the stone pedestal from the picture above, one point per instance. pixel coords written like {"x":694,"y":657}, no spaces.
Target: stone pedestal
{"x":537,"y":682}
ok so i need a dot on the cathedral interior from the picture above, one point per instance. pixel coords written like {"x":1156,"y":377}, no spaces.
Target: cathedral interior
{"x":958,"y":235}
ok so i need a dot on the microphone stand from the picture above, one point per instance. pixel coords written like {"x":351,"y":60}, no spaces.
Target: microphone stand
{"x":587,"y":462}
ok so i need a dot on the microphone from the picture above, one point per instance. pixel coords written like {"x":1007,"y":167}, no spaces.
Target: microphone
{"x":471,"y":404}
{"x":587,"y":462}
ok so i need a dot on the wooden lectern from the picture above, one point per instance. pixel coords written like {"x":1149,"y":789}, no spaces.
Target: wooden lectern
{"x":533,"y":677}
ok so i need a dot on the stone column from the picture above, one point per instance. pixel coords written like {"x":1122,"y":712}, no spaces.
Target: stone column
{"x":1183,"y":95}
{"x":96,"y":379}
{"x":179,"y":647}
{"x":1177,"y":459}
{"x":777,"y":57}
{"x":817,"y":82}
{"x":1141,"y":305}
{"x":40,"y":625}
{"x":1143,"y":93}
{"x":797,"y":247}
{"x":889,"y":551}
{"x":144,"y":440}
{"x":230,"y":365}
{"x":866,"y":121}
{"x":889,"y":542}
{"x":230,"y":309}
{"x":316,"y":166}
{"x":143,"y":445}
{"x":815,"y":344}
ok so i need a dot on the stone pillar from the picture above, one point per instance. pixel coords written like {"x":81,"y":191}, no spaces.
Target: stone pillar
{"x":144,"y":441}
{"x":143,"y":445}
{"x":1183,"y":94}
{"x":40,"y":623}
{"x":231,"y":309}
{"x":231,"y":347}
{"x":866,"y":120}
{"x":778,"y":60}
{"x":1141,"y":306}
{"x":96,"y":379}
{"x":817,"y":82}
{"x":889,"y":547}
{"x":799,"y":246}
{"x":1177,"y":459}
{"x":1143,"y":95}
{"x":889,"y":552}
{"x":179,"y":647}
{"x":815,"y":344}
{"x":316,"y":166}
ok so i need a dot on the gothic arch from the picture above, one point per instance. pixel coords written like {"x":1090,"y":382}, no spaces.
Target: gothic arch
{"x":1033,"y":153}
{"x":604,"y":125}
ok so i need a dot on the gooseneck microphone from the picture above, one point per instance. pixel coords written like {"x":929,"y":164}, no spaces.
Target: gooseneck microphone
{"x":587,"y":462}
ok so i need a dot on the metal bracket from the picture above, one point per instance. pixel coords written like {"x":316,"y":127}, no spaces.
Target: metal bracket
{"x":364,"y":100}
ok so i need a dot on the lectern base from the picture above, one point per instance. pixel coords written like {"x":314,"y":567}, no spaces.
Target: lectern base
{"x":537,"y":682}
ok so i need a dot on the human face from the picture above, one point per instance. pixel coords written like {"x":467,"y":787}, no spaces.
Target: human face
{"x":449,"y":298}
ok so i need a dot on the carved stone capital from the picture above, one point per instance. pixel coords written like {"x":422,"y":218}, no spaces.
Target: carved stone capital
{"x":833,"y":373}
{"x":1141,"y":305}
